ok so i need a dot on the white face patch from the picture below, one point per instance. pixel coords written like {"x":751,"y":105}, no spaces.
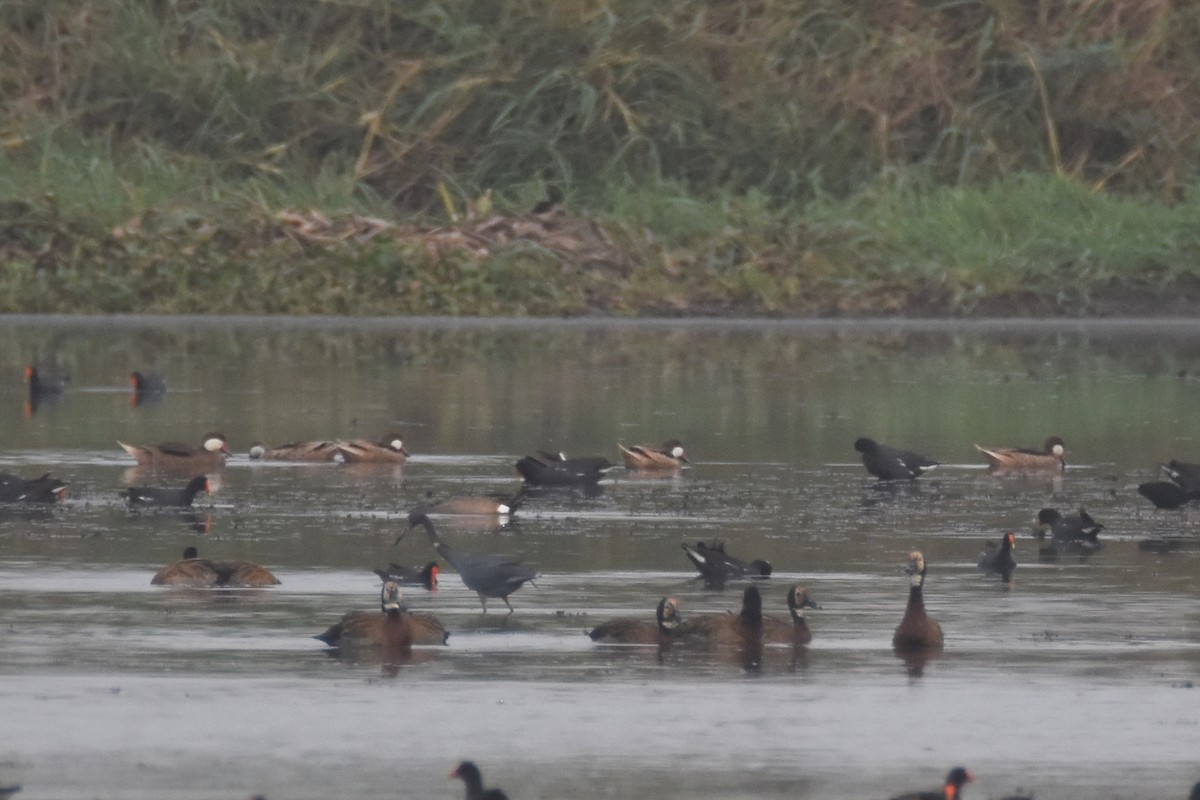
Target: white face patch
{"x":676,"y":452}
{"x":502,"y":509}
{"x":214,"y":445}
{"x":1057,"y":450}
{"x":396,"y":444}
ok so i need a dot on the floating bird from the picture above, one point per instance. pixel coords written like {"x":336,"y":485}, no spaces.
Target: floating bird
{"x":917,"y":630}
{"x":1077,"y":534}
{"x":326,"y":451}
{"x":1051,"y":456}
{"x":426,"y":576}
{"x":201,"y":573}
{"x":390,"y":630}
{"x":469,"y":774}
{"x":670,"y":457}
{"x":630,"y":630}
{"x":44,"y":382}
{"x":43,"y":489}
{"x":146,"y":388}
{"x":716,"y":566}
{"x":743,"y":629}
{"x":173,"y":497}
{"x":172,"y":455}
{"x":486,"y":505}
{"x":387,"y":450}
{"x":999,"y":560}
{"x":890,"y":463}
{"x":1166,"y":494}
{"x":547,"y":469}
{"x":796,"y":630}
{"x":485,"y":574}
{"x":951,"y":789}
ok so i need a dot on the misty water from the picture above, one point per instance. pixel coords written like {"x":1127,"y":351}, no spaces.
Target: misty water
{"x":1076,"y":680}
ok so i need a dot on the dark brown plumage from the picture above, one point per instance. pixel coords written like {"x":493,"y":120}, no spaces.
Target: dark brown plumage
{"x":794,"y":631}
{"x":917,"y":630}
{"x":390,"y":630}
{"x":631,"y":630}
{"x":201,"y":573}
{"x":743,"y":629}
{"x":209,"y":455}
{"x":469,"y":774}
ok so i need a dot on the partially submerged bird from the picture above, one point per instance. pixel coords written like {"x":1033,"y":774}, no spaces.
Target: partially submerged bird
{"x":891,"y":463}
{"x":479,"y":505}
{"x":181,"y":497}
{"x":743,"y":629}
{"x":209,"y":455}
{"x":670,"y":457}
{"x":999,"y":560}
{"x":390,"y":630}
{"x":45,"y":382}
{"x":1077,"y":534}
{"x":321,"y":451}
{"x":917,"y":630}
{"x":1051,"y":456}
{"x":426,"y":576}
{"x":144,"y":387}
{"x":794,"y":631}
{"x":717,"y":566}
{"x":556,"y":469}
{"x":389,"y":449}
{"x":632,"y":630}
{"x":194,"y":572}
{"x":485,"y":574}
{"x":469,"y":774}
{"x":951,"y":788}
{"x":42,"y":489}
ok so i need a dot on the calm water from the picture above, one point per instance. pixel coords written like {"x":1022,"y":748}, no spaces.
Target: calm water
{"x":1079,"y":680}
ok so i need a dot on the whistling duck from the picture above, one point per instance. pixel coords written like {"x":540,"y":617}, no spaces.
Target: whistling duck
{"x":390,"y":630}
{"x":469,"y":774}
{"x":44,"y":382}
{"x":174,"y":497}
{"x":555,"y":469}
{"x":917,"y":630}
{"x":951,"y":789}
{"x":297,"y":451}
{"x":794,"y":631}
{"x":716,"y":566}
{"x":744,"y":628}
{"x":667,"y":458}
{"x":43,"y":489}
{"x":201,"y":573}
{"x":630,"y":630}
{"x":481,"y":505}
{"x":172,"y":455}
{"x":426,"y":576}
{"x":891,"y":463}
{"x":1051,"y":456}
{"x":388,"y":450}
{"x":485,"y":574}
{"x":999,"y":560}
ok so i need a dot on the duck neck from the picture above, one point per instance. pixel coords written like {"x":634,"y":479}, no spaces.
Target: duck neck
{"x":916,"y":599}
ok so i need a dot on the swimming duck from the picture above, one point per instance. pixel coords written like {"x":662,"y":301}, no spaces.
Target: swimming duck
{"x":743,"y":629}
{"x":999,"y":560}
{"x":201,"y":573}
{"x":209,"y":455}
{"x":486,"y":505}
{"x":917,"y":630}
{"x":630,"y":630}
{"x":1051,"y":456}
{"x":426,"y":576}
{"x":485,"y":574}
{"x":174,"y":497}
{"x":387,"y":450}
{"x":555,"y":469}
{"x":796,"y":630}
{"x":44,"y":382}
{"x":716,"y":566}
{"x":297,"y":451}
{"x":891,"y":463}
{"x":43,"y":489}
{"x":391,"y":630}
{"x":670,"y":457}
{"x":469,"y":774}
{"x":951,"y":789}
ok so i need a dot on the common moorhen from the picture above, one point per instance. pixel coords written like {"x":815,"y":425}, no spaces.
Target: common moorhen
{"x":891,"y":463}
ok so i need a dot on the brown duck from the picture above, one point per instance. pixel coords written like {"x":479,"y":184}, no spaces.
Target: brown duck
{"x":391,"y":630}
{"x":201,"y":573}
{"x":917,"y":630}
{"x":670,"y":457}
{"x":388,"y":450}
{"x":794,"y":631}
{"x":1052,"y":456}
{"x":630,"y":630}
{"x":743,"y":629}
{"x":312,"y":452}
{"x":209,"y":455}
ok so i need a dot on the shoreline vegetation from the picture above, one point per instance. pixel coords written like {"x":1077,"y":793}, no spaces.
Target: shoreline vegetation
{"x":525,"y":158}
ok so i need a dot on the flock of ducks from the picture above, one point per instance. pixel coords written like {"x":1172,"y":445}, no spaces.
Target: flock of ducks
{"x":390,"y":634}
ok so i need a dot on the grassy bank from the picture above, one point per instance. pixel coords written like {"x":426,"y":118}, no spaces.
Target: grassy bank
{"x":378,"y":158}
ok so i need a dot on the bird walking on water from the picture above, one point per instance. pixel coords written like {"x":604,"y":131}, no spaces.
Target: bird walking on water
{"x":485,"y":574}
